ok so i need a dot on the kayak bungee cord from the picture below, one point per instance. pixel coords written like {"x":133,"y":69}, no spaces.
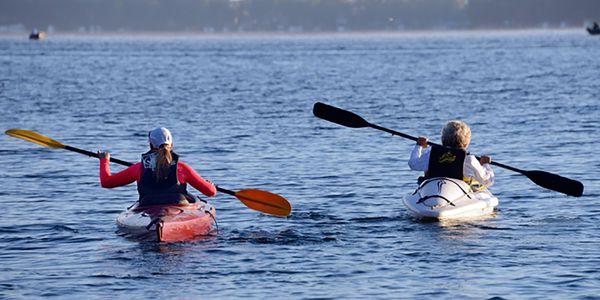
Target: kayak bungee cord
{"x":214,"y":220}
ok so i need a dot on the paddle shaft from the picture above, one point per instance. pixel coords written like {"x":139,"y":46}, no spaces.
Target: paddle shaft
{"x":126,"y":163}
{"x":394,"y":132}
{"x":93,"y":154}
{"x":410,"y":137}
{"x":226,"y":191}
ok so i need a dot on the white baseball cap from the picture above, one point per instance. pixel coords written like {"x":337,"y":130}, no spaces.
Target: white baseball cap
{"x":159,"y":136}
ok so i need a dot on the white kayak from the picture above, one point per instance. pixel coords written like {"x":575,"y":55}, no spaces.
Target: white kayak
{"x":447,"y":198}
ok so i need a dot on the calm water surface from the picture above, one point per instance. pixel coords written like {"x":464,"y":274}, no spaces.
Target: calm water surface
{"x":240,"y":111}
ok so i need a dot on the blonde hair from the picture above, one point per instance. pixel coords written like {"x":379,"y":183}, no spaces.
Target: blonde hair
{"x":456,"y":134}
{"x":163,"y":162}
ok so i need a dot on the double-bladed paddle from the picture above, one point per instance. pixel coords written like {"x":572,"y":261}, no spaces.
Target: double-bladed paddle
{"x":263,"y":201}
{"x":544,"y":179}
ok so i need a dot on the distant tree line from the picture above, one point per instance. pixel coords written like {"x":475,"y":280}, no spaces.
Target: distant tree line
{"x":294,"y":15}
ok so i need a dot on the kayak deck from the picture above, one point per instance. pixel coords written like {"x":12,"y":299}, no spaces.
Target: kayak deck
{"x":449,"y":199}
{"x":169,"y":223}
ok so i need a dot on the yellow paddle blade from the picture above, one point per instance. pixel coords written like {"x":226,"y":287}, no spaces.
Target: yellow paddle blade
{"x":265,"y":202}
{"x":34,"y":137}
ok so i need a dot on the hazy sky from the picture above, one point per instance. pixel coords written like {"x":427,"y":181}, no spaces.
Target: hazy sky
{"x":292,"y":15}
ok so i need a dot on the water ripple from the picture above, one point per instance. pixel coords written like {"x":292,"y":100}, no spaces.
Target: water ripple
{"x":240,"y":109}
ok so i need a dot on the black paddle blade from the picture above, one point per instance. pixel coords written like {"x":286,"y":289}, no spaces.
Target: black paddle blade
{"x":556,"y":182}
{"x":338,"y":116}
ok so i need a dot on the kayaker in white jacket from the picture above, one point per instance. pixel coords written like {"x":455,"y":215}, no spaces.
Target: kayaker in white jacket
{"x":452,"y":160}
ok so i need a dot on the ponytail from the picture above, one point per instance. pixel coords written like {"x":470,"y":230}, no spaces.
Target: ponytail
{"x":163,"y":162}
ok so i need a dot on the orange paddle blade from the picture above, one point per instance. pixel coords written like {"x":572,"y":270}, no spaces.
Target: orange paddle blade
{"x":34,"y":137}
{"x":265,"y":202}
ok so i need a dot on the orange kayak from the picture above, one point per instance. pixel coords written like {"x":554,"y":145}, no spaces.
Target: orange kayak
{"x":169,"y":223}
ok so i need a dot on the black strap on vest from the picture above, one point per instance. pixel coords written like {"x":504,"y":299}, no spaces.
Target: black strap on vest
{"x":446,"y":162}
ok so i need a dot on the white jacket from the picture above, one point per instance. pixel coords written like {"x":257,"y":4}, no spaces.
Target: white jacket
{"x":419,"y":161}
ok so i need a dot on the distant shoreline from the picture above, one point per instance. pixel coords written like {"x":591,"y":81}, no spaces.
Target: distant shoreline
{"x":182,"y":34}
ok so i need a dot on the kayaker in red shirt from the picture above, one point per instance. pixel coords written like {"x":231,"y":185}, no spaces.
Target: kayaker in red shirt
{"x":160,"y":176}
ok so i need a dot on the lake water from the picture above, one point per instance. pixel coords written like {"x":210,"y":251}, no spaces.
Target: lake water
{"x":240,"y":108}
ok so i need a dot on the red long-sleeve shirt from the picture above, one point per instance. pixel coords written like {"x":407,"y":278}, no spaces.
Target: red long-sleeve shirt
{"x":185,"y":174}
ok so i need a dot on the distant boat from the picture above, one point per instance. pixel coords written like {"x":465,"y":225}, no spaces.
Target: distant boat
{"x":37,"y":35}
{"x":594,"y":30}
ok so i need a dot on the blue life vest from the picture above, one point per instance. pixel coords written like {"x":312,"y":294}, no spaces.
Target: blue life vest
{"x":446,"y":162}
{"x":167,"y":190}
